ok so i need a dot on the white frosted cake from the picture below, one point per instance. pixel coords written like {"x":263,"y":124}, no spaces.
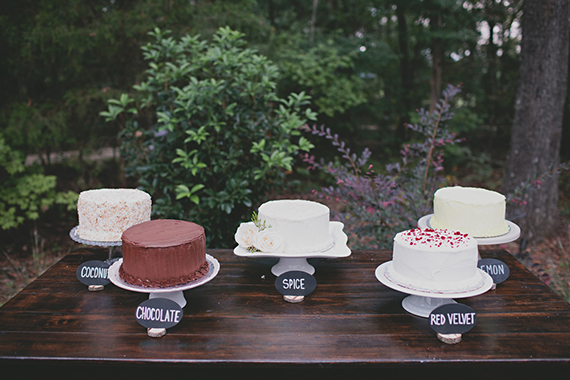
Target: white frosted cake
{"x":433,"y":260}
{"x":104,"y":214}
{"x":477,"y":212}
{"x":290,"y":226}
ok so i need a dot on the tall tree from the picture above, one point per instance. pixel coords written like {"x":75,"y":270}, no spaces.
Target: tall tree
{"x":436,"y":25}
{"x":539,"y":108}
{"x":405,"y":72}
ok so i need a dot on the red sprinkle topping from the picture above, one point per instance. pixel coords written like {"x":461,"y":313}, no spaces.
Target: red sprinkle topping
{"x":435,"y":238}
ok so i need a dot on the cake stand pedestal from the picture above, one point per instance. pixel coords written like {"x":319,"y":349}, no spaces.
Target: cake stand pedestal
{"x":287,"y":264}
{"x":174,"y":293}
{"x":111,"y":245}
{"x":422,"y":306}
{"x":422,"y":303}
{"x":298,"y":261}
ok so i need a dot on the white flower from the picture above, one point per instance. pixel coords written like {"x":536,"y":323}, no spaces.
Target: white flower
{"x":245,"y":234}
{"x":269,"y":241}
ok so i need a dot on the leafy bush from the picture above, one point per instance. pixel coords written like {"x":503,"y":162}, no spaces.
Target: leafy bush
{"x":375,"y":206}
{"x":323,"y":72}
{"x":217,"y":138}
{"x":25,"y":191}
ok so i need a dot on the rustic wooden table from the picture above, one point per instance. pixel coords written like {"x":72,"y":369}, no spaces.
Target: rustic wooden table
{"x":238,"y":324}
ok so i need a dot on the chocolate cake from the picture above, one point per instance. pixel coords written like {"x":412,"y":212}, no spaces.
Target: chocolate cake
{"x":163,"y":253}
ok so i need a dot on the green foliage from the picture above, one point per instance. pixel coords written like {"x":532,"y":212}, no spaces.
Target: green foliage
{"x":34,"y":129}
{"x":325,"y":73}
{"x":25,"y":193}
{"x":210,"y":137}
{"x":64,"y":58}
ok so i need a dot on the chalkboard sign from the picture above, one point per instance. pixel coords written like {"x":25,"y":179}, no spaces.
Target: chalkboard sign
{"x":295,"y":283}
{"x":158,"y":313}
{"x":497,"y":269}
{"x":93,"y":272}
{"x":452,"y":318}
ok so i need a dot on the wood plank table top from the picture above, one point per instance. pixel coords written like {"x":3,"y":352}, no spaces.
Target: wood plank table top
{"x":238,"y":324}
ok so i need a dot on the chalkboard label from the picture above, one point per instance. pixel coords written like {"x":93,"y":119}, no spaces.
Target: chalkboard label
{"x":158,"y":313}
{"x":497,"y":269}
{"x":295,"y":283}
{"x":453,"y":318}
{"x":93,"y":272}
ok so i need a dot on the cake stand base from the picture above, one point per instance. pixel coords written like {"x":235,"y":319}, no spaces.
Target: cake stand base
{"x":156,"y":332}
{"x":423,"y":306}
{"x":293,"y":299}
{"x":449,"y":338}
{"x":287,"y":264}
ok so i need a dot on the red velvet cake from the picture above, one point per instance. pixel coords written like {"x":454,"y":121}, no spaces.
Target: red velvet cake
{"x":163,"y":253}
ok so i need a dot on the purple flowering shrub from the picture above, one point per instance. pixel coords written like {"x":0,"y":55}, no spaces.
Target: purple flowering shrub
{"x":377,"y":204}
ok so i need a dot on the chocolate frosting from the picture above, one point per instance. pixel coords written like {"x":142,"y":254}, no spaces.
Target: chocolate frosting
{"x":163,"y":253}
{"x":162,"y":233}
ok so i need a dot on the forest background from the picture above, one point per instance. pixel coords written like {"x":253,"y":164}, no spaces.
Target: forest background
{"x":368,"y":66}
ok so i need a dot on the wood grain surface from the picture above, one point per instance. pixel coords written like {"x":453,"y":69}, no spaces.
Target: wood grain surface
{"x":239,"y":325}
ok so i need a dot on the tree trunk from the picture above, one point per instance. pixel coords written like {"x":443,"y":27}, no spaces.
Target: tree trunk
{"x":539,"y":108}
{"x":437,"y":62}
{"x":313,"y":20}
{"x":405,"y":73}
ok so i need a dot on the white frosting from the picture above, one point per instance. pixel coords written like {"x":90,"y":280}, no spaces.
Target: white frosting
{"x":303,"y":225}
{"x":475,"y":211}
{"x":105,"y":213}
{"x":435,"y":260}
{"x":292,"y":226}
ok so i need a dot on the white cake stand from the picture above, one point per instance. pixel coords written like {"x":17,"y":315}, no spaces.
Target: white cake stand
{"x":513,"y":234}
{"x":298,"y":261}
{"x":109,"y":244}
{"x":422,"y":303}
{"x":174,"y":293}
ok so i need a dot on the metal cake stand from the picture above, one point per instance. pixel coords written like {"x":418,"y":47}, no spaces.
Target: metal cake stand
{"x":111,"y":245}
{"x":108,"y":244}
